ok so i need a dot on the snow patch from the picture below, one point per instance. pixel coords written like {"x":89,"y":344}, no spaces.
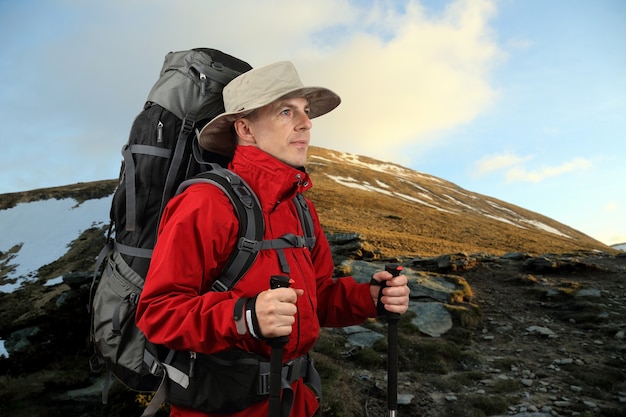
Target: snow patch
{"x":45,"y":229}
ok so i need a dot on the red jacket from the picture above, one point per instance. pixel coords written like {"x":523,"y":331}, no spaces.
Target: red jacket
{"x":197,"y":234}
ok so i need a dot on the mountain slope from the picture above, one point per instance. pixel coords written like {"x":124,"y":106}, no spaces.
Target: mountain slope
{"x":397,"y":210}
{"x":404,"y":211}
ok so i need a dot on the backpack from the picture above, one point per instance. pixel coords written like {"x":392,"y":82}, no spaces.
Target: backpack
{"x":161,"y":159}
{"x":162,"y":151}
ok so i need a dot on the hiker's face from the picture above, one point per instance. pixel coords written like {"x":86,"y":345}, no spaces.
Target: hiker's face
{"x":282,"y":129}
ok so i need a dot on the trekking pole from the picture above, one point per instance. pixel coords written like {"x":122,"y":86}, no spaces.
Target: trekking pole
{"x":392,"y":347}
{"x":276,"y":358}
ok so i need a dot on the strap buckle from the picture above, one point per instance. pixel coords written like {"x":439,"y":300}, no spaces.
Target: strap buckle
{"x":247,"y":245}
{"x":263,"y":386}
{"x":295,"y":369}
{"x":291,"y":372}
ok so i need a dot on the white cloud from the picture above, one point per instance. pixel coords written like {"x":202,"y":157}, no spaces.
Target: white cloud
{"x":427,"y":74}
{"x":521,"y":174}
{"x":519,"y":43}
{"x":497,"y":162}
{"x":515,"y":171}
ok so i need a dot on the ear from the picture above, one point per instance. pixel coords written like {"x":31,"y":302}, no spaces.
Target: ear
{"x":244,"y":133}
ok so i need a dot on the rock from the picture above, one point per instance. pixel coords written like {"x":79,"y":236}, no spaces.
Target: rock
{"x":588,"y":293}
{"x":437,"y":287}
{"x":361,"y":336}
{"x":361,"y":271}
{"x":405,"y":399}
{"x":432,"y":319}
{"x":542,"y":331}
{"x":19,"y":341}
{"x":515,"y":256}
{"x":539,"y":264}
{"x":446,"y":263}
{"x":77,"y":279}
{"x":590,"y":404}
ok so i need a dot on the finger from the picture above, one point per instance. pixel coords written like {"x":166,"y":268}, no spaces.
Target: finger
{"x":395,"y":299}
{"x":286,"y":295}
{"x":399,"y":281}
{"x":381,"y":276}
{"x":397,"y":291}
{"x":396,"y":308}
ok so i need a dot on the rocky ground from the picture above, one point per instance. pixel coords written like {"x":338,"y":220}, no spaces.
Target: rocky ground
{"x":551,"y":341}
{"x":531,"y":336}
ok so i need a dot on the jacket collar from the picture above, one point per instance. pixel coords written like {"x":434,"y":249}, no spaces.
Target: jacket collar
{"x":272,"y":180}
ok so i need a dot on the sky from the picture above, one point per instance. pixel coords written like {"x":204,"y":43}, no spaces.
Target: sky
{"x":520,"y":100}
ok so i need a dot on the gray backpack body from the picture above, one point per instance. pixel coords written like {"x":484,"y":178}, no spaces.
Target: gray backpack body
{"x":160,"y":154}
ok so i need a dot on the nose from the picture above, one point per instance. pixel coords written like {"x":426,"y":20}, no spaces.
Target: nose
{"x":304,"y":122}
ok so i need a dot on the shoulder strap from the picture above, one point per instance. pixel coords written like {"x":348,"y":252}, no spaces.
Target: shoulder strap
{"x":177,"y":158}
{"x":249,"y":214}
{"x":306,"y":219}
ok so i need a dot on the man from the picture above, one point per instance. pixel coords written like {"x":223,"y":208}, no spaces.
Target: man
{"x":266,"y":128}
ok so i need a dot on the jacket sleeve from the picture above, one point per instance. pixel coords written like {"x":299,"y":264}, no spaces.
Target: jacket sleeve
{"x":342,"y":301}
{"x":175,"y":308}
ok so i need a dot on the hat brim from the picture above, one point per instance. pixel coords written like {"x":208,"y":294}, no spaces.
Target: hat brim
{"x":217,"y":135}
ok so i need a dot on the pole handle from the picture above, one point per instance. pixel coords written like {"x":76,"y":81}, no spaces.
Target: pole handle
{"x":276,"y":357}
{"x":394,"y":270}
{"x":279,"y":281}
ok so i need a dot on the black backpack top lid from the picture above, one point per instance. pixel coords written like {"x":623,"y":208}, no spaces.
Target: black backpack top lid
{"x":184,"y":72}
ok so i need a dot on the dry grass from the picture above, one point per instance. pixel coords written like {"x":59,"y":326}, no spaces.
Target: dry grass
{"x":398,"y":227}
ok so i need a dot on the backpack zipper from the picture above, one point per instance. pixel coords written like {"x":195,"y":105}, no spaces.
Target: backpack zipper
{"x":202,"y":84}
{"x":133,"y":297}
{"x":160,"y":132}
{"x":203,"y":78}
{"x":192,"y":363}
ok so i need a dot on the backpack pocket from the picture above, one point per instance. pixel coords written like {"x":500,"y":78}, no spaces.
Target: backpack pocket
{"x":225,"y":382}
{"x":120,"y":343}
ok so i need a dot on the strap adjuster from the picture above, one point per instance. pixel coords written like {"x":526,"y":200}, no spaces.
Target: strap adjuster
{"x":247,"y":245}
{"x":219,"y":286}
{"x":291,"y":372}
{"x":294,"y":369}
{"x":264,"y":384}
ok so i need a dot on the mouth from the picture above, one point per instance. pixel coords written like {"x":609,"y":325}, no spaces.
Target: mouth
{"x":300,"y":143}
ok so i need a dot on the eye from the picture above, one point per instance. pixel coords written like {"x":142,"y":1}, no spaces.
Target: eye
{"x":286,"y":111}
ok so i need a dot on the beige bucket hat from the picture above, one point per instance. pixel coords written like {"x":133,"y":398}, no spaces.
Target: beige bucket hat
{"x":255,"y":89}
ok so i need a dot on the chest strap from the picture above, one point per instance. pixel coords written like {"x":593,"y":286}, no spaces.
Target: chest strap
{"x":286,"y":241}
